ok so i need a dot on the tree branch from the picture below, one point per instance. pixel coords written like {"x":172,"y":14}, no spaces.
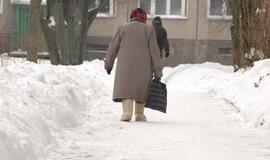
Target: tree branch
{"x":92,"y":13}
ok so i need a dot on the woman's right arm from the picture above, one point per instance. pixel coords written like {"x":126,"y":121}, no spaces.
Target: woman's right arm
{"x":113,"y":50}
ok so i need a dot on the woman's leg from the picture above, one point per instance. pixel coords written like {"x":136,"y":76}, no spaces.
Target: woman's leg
{"x":139,"y":112}
{"x":127,"y":110}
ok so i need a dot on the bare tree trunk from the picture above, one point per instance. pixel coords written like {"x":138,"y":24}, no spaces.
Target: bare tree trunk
{"x":66,"y":29}
{"x":250,"y":31}
{"x":236,"y":31}
{"x":33,"y":39}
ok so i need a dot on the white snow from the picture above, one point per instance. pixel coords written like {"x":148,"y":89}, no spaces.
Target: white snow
{"x":236,"y":88}
{"x":37,"y":102}
{"x":52,"y":21}
{"x":65,"y":112}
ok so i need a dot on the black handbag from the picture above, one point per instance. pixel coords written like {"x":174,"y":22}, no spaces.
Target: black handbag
{"x":157,"y":98}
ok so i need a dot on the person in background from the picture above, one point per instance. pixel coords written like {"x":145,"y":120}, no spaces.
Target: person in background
{"x":162,"y":40}
{"x":137,"y":52}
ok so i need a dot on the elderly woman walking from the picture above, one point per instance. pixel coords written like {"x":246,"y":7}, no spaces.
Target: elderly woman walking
{"x":138,"y":59}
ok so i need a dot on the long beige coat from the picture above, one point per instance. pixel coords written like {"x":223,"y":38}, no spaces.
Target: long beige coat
{"x":138,"y":57}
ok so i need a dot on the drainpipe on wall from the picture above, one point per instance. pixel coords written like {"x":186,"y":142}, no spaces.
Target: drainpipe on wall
{"x":197,"y":21}
{"x":197,"y":51}
{"x":128,"y":9}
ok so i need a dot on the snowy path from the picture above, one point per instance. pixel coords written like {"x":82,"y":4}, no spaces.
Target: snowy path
{"x":65,"y":113}
{"x":196,"y":127}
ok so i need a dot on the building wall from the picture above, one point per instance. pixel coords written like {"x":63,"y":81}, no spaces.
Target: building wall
{"x":107,"y":26}
{"x":209,"y":29}
{"x":182,"y":28}
{"x":194,"y":39}
{"x":213,"y":35}
{"x":5,"y":26}
{"x":198,"y":51}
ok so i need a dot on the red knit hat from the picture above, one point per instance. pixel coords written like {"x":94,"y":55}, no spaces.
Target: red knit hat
{"x":139,"y":13}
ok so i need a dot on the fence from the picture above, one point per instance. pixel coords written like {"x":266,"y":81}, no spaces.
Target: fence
{"x":20,"y":29}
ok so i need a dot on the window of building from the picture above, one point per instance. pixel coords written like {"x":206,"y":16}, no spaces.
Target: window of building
{"x":107,"y":8}
{"x":27,"y":2}
{"x":219,"y":9}
{"x":164,"y":8}
{"x":1,"y":6}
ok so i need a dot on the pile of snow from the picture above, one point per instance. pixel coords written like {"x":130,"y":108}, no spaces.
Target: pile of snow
{"x":246,"y":90}
{"x":39,"y":100}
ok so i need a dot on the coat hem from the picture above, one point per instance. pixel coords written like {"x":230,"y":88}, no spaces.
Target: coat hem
{"x":117,"y":100}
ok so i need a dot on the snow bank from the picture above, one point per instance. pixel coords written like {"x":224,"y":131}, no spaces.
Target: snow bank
{"x":39,"y":100}
{"x":247,"y":90}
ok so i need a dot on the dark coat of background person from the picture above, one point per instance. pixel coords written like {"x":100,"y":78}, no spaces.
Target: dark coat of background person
{"x":135,"y":46}
{"x":161,"y":34}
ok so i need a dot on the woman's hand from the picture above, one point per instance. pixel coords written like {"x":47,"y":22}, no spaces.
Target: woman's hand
{"x":109,"y":71}
{"x":167,"y":54}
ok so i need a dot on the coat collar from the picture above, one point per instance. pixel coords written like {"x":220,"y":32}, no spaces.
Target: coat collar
{"x":136,"y":19}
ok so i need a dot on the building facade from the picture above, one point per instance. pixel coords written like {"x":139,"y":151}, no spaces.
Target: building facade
{"x":198,"y":30}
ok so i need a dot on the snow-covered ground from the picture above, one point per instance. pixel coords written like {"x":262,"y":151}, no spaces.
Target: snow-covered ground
{"x":245,"y":90}
{"x":65,"y":112}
